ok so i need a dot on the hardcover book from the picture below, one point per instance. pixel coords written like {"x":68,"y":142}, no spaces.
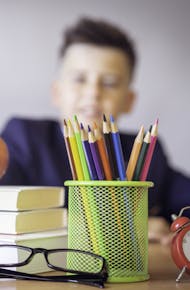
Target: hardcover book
{"x":31,"y":197}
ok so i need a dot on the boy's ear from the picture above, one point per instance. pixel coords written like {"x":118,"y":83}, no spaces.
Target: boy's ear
{"x":55,"y":92}
{"x":130,"y":100}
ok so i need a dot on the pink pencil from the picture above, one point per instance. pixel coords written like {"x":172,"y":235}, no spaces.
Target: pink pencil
{"x":154,"y":133}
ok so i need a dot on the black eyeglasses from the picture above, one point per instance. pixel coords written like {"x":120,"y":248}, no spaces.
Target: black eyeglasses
{"x":85,"y":267}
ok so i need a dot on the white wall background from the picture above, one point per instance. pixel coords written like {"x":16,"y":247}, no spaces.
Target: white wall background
{"x":30,"y":33}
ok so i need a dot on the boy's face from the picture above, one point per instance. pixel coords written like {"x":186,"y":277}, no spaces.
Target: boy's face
{"x":92,"y":81}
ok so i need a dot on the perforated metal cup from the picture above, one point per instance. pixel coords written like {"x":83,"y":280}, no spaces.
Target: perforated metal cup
{"x":110,"y":218}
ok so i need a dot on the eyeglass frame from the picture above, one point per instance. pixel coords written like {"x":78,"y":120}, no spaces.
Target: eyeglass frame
{"x":45,"y":252}
{"x":86,"y":279}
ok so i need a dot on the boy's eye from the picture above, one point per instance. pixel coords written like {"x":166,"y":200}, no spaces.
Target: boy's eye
{"x":80,"y":79}
{"x":110,"y":82}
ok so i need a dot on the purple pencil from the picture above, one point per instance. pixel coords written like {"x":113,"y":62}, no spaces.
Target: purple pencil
{"x":88,"y":154}
{"x":95,"y":154}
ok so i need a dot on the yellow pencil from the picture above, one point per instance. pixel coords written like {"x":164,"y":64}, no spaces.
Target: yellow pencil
{"x":84,"y":191}
{"x":75,"y":153}
{"x":134,"y":154}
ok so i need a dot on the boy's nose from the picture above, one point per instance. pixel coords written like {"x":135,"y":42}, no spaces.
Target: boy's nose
{"x":93,"y":91}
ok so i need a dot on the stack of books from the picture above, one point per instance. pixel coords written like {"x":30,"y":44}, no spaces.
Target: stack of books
{"x":33,"y":217}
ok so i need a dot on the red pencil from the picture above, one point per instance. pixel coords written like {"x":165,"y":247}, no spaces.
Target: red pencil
{"x":146,"y":165}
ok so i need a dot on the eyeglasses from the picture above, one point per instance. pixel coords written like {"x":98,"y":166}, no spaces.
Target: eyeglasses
{"x":85,"y":267}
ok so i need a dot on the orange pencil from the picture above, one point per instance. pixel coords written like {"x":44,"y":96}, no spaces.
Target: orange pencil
{"x":108,"y":175}
{"x":135,"y":154}
{"x":102,"y":152}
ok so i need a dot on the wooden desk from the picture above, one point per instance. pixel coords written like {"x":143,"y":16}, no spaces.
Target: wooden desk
{"x":162,"y":271}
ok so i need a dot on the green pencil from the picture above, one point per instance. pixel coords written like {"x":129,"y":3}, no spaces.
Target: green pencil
{"x":141,"y":158}
{"x":80,"y":149}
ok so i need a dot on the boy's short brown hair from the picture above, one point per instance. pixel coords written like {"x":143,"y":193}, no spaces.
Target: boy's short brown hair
{"x":101,"y":33}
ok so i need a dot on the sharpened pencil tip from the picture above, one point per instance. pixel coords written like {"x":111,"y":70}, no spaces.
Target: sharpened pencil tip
{"x":65,"y":123}
{"x":75,"y":118}
{"x":81,"y":126}
{"x":142,"y":129}
{"x":95,"y":125}
{"x":104,"y":117}
{"x":69,"y":123}
{"x":89,"y":129}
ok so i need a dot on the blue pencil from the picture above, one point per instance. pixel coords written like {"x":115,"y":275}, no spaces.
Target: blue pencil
{"x":88,"y":154}
{"x":118,"y":149}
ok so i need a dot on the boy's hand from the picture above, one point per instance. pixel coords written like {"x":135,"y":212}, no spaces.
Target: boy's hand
{"x":159,"y":231}
{"x":4,"y":157}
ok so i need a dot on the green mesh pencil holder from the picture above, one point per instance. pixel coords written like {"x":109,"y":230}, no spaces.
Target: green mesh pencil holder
{"x":110,"y":218}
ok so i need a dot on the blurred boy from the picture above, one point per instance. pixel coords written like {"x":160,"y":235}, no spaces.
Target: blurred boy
{"x":97,"y":62}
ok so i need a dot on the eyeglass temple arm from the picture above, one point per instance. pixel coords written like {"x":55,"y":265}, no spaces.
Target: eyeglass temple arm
{"x":92,"y":280}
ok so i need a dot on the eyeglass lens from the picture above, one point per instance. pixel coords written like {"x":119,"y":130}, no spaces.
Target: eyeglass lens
{"x":75,"y":261}
{"x":13,"y":255}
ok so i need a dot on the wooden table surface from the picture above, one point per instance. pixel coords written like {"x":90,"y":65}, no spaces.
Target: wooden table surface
{"x":162,"y":272}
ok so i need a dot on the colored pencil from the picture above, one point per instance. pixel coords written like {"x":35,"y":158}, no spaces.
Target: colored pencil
{"x":84,"y":192}
{"x":118,"y":149}
{"x":84,"y":195}
{"x":80,"y":149}
{"x":142,"y":155}
{"x":75,"y":153}
{"x":110,"y":148}
{"x":134,"y":154}
{"x":95,"y":154}
{"x":88,"y":154}
{"x":102,"y":151}
{"x":154,"y":134}
{"x":69,"y":152}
